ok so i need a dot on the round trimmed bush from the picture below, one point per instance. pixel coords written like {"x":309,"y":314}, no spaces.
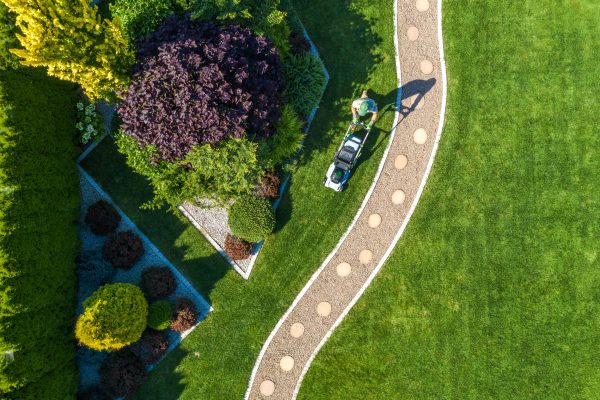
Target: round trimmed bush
{"x":237,"y":249}
{"x":113,"y":317}
{"x":157,"y":282}
{"x":184,"y":315}
{"x":152,"y":346}
{"x":159,"y":315}
{"x":251,"y":218}
{"x":102,"y":218}
{"x":123,"y":249}
{"x":122,"y":374}
{"x":92,"y":272}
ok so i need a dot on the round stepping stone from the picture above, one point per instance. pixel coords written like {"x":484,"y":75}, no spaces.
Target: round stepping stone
{"x":267,"y":388}
{"x":324,"y":309}
{"x":343,"y":269}
{"x":365,"y":256}
{"x":422,"y":5}
{"x":426,"y":67}
{"x":400,"y":162}
{"x":286,"y":363}
{"x":374,"y":220}
{"x":297,"y":330}
{"x":412,"y":33}
{"x":398,"y":197}
{"x":420,"y":136}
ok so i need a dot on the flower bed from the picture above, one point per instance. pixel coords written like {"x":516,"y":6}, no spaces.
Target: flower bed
{"x":89,"y":361}
{"x":212,"y":221}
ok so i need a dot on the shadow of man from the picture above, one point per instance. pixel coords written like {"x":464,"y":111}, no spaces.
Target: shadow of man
{"x":412,"y":94}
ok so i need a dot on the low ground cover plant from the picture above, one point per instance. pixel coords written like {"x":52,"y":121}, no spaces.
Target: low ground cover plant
{"x":102,"y":218}
{"x":122,"y":374}
{"x":123,"y":249}
{"x":158,"y":282}
{"x":304,"y":81}
{"x":251,"y":218}
{"x":268,"y":186}
{"x":237,"y":249}
{"x":160,"y":315}
{"x":184,"y":315}
{"x":89,"y":122}
{"x":113,"y":317}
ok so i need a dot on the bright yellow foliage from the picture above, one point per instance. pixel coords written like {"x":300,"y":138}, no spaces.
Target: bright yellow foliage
{"x":74,"y":43}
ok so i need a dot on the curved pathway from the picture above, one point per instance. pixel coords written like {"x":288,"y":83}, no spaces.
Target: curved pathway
{"x":348,"y":270}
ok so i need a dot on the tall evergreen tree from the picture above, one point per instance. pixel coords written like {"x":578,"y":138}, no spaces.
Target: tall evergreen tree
{"x":74,"y":43}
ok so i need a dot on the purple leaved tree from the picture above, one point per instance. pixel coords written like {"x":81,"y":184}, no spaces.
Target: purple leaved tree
{"x":198,"y":83}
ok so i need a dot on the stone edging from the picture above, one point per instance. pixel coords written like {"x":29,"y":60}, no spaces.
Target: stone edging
{"x":269,"y":386}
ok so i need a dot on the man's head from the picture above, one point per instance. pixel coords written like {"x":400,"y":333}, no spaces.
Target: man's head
{"x":363,"y":109}
{"x":364,"y":94}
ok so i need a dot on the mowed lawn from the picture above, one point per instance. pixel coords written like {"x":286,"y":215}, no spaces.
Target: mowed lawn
{"x":494,"y":290}
{"x":355,"y":40}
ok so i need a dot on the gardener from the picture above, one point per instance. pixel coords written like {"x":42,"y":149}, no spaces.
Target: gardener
{"x":363,"y":106}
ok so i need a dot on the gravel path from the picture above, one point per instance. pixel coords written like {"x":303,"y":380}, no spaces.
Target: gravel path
{"x":342,"y":278}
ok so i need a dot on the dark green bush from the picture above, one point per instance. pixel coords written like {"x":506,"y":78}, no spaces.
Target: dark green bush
{"x":39,"y":205}
{"x":287,"y":140}
{"x":159,"y":315}
{"x":304,"y":80}
{"x":251,"y":218}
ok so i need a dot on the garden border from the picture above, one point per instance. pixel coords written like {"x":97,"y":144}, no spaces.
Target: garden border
{"x":283,"y":186}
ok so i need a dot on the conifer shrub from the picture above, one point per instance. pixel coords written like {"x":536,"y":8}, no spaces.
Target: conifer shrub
{"x":184,"y":315}
{"x":157,"y":282}
{"x":159,"y":315}
{"x":268,"y":186}
{"x":102,"y":218}
{"x":123,"y":249}
{"x":237,"y":249}
{"x":113,"y":317}
{"x":92,"y":272}
{"x":122,"y":374}
{"x":152,"y":346}
{"x":304,"y":81}
{"x":251,"y":218}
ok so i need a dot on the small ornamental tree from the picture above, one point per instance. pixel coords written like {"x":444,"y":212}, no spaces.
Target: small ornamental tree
{"x":122,"y":374}
{"x":74,"y":43}
{"x":251,"y":218}
{"x":237,"y":249}
{"x":102,"y":218}
{"x":113,"y":317}
{"x":123,"y":249}
{"x":184,"y":315}
{"x":197,"y":83}
{"x":157,"y":282}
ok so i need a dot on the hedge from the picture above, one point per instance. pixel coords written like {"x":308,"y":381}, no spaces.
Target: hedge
{"x":39,"y":205}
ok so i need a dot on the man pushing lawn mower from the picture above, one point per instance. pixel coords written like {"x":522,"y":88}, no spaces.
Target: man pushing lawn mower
{"x":346,"y":155}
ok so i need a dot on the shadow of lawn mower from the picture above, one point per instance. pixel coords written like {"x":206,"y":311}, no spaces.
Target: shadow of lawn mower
{"x":345,"y":158}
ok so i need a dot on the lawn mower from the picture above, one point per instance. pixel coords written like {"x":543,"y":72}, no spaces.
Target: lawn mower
{"x":345,"y":157}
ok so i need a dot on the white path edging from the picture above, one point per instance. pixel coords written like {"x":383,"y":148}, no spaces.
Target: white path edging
{"x":400,"y":231}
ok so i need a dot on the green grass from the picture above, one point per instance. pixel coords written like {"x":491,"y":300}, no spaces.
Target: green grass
{"x":358,"y":52}
{"x":494,"y":289}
